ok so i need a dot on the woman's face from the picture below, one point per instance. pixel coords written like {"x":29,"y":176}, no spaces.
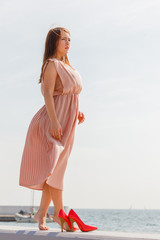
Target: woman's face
{"x":63,"y":43}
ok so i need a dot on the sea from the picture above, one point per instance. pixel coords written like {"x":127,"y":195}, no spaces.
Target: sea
{"x":116,"y":220}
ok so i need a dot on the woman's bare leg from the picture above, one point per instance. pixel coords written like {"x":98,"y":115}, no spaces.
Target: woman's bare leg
{"x":56,"y":195}
{"x":49,"y":193}
{"x":45,"y":200}
{"x":40,"y":216}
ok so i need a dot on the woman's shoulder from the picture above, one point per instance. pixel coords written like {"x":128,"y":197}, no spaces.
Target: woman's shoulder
{"x":65,"y":65}
{"x":49,"y":69}
{"x":54,"y":59}
{"x":49,"y":66}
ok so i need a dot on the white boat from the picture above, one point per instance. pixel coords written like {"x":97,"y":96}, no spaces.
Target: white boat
{"x":29,"y":217}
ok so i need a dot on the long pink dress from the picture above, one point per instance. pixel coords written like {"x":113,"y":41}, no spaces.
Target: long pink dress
{"x":45,"y":158}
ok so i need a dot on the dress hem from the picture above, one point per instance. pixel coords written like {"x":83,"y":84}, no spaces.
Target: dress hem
{"x":39,"y":189}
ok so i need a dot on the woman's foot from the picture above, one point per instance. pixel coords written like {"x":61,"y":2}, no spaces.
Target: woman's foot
{"x":41,"y":219}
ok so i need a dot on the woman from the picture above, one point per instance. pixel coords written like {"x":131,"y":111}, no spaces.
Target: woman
{"x":51,"y":131}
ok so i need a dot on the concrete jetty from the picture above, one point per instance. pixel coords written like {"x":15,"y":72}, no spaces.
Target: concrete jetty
{"x":28,"y":233}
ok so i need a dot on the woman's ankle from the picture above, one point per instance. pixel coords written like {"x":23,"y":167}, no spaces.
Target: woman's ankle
{"x":41,"y":213}
{"x":56,"y":212}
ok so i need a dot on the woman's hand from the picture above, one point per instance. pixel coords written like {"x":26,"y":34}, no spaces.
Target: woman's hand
{"x":56,"y":130}
{"x":81,"y":117}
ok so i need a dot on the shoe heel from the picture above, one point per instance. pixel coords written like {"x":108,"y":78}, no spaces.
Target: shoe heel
{"x":62,"y":221}
{"x":72,"y":221}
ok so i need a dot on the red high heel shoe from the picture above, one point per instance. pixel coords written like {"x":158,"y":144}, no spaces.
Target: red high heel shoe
{"x":83,"y":227}
{"x":64,"y":218}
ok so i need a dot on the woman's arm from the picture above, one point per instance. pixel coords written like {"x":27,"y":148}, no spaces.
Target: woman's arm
{"x":49,"y":85}
{"x":49,"y":79}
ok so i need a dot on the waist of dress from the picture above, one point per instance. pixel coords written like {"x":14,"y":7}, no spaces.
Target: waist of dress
{"x":61,"y":94}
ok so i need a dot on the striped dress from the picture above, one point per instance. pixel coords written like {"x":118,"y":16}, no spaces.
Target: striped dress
{"x":45,"y":158}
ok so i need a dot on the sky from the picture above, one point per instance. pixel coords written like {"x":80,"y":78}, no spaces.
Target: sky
{"x":115,"y":159}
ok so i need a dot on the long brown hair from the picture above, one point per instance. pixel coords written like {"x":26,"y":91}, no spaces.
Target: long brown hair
{"x":51,"y":42}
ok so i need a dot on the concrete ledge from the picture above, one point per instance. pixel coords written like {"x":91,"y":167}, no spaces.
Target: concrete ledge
{"x":28,"y":233}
